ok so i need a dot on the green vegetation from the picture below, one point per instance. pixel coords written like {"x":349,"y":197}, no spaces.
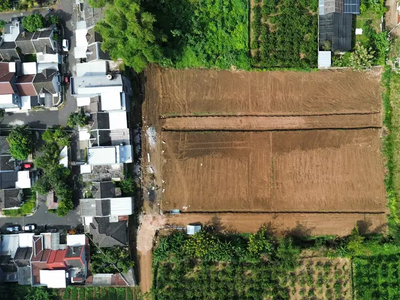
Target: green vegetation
{"x":214,"y":266}
{"x":24,"y":292}
{"x":78,"y":119}
{"x":127,"y":186}
{"x":56,"y":176}
{"x":391,"y":146}
{"x":33,"y":22}
{"x":176,"y":33}
{"x":20,"y":140}
{"x":26,"y":208}
{"x":377,"y":277}
{"x":98,"y":3}
{"x":285,"y":34}
{"x":2,"y":24}
{"x":111,"y":260}
{"x":5,"y":5}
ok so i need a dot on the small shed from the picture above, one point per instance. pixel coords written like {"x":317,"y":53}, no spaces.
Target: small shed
{"x":324,"y":59}
{"x":192,"y":229}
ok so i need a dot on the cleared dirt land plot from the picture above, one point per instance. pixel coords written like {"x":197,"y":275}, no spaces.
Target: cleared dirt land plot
{"x":312,"y":223}
{"x":303,"y":171}
{"x":206,"y":92}
{"x":273,"y":123}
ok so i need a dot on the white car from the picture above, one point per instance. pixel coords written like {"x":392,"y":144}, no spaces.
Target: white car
{"x":29,"y":227}
{"x":65,"y":45}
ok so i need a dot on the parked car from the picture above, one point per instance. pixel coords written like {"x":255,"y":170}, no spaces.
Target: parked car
{"x":65,"y":45}
{"x":27,"y":166}
{"x":29,"y":227}
{"x":13,"y":228}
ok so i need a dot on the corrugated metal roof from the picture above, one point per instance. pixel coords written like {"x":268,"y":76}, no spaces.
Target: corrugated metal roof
{"x":121,"y":206}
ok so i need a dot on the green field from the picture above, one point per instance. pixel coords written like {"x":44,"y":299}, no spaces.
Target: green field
{"x":100,"y":293}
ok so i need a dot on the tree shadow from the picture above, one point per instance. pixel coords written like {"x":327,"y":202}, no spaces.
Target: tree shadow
{"x":363,"y":226}
{"x":299,"y":234}
{"x":174,"y":20}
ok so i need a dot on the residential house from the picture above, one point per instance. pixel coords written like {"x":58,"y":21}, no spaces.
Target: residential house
{"x":9,"y":100}
{"x":109,"y":234}
{"x":47,"y":87}
{"x":40,"y":41}
{"x":113,"y":208}
{"x":110,"y":155}
{"x":88,"y":44}
{"x":8,"y":51}
{"x":55,"y":268}
{"x":94,"y":80}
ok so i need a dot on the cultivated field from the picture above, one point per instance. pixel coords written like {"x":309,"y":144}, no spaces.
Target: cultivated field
{"x":206,"y":93}
{"x":292,"y":147}
{"x":299,"y":171}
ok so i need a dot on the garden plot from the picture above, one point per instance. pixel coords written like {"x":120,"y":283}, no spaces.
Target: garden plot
{"x":285,"y":171}
{"x":321,"y":278}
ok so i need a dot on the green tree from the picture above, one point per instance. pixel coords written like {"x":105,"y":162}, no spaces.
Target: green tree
{"x":361,"y":58}
{"x":21,"y":142}
{"x":53,"y":19}
{"x":111,"y":260}
{"x":41,"y":293}
{"x":97,"y":3}
{"x":78,"y":119}
{"x":33,"y":22}
{"x":128,"y":33}
{"x":2,"y":113}
{"x":42,"y":185}
{"x":2,"y":23}
{"x":259,"y":243}
{"x":5,"y":5}
{"x":57,"y":134}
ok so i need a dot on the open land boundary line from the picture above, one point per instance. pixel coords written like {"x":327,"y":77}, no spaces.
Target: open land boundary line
{"x":272,"y":123}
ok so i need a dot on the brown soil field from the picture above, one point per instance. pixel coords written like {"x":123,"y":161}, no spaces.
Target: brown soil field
{"x":285,"y":171}
{"x":302,"y":223}
{"x":273,"y":123}
{"x":207,"y":92}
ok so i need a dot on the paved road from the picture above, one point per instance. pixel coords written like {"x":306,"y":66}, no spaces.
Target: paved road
{"x":42,"y":218}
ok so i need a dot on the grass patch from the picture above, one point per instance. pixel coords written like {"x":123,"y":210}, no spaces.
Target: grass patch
{"x":391,"y":144}
{"x":101,"y":293}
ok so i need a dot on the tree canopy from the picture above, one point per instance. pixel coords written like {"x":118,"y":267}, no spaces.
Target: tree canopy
{"x":128,"y":33}
{"x":177,"y":33}
{"x":56,"y":176}
{"x":33,"y":22}
{"x":111,"y":260}
{"x":5,"y":5}
{"x":78,"y":119}
{"x":21,"y":142}
{"x":97,"y":3}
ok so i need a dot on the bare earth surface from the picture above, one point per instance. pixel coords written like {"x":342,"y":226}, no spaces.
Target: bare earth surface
{"x":193,"y":92}
{"x":273,"y":123}
{"x":303,"y":171}
{"x":314,"y":224}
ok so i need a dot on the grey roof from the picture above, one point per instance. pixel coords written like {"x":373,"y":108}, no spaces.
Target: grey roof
{"x":24,"y":275}
{"x":11,"y":197}
{"x":43,"y":81}
{"x":104,"y":189}
{"x":23,"y":256}
{"x":43,"y":45}
{"x":7,"y":163}
{"x":337,"y":29}
{"x":24,"y":42}
{"x":101,"y":120}
{"x":94,"y":52}
{"x":8,"y":51}
{"x":4,"y":146}
{"x":107,"y":234}
{"x":95,"y":207}
{"x":8,"y":180}
{"x":331,"y":6}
